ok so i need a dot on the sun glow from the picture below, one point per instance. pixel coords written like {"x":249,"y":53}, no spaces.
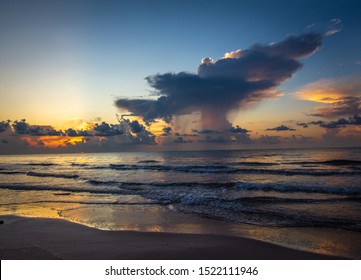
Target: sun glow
{"x":52,"y":141}
{"x":155,"y":128}
{"x":321,"y":95}
{"x":329,"y":91}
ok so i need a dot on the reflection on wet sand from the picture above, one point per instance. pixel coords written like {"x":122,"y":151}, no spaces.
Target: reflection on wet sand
{"x":155,"y":218}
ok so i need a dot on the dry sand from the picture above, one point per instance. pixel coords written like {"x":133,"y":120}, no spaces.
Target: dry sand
{"x":37,"y":238}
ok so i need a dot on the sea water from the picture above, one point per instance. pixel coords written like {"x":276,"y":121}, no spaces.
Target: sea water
{"x":307,"y":199}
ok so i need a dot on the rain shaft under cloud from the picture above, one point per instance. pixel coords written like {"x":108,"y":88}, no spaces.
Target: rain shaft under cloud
{"x":220,"y":86}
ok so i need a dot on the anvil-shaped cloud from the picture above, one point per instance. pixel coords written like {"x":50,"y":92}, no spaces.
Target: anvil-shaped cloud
{"x":238,"y":78}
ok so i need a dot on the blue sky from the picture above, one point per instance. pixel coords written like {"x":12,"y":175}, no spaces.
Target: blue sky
{"x":67,"y":60}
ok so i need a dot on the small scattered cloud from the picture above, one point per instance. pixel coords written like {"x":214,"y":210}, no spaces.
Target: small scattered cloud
{"x":238,"y":129}
{"x":4,"y":125}
{"x":24,"y":137}
{"x":23,"y":128}
{"x":167,"y":131}
{"x":339,"y":123}
{"x":281,"y":128}
{"x":105,"y":129}
{"x":181,"y":140}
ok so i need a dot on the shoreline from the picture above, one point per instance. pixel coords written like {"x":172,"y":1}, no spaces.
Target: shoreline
{"x":46,"y":238}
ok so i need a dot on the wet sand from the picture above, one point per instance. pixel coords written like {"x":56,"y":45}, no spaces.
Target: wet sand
{"x":39,"y":238}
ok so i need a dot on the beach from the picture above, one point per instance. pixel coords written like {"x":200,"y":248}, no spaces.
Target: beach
{"x":39,"y":238}
{"x":302,"y":199}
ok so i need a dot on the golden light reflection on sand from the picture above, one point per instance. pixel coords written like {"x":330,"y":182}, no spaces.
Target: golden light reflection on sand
{"x":155,"y":218}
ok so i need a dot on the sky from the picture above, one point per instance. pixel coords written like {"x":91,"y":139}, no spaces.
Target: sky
{"x":84,"y":76}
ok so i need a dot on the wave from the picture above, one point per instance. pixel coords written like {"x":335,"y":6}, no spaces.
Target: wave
{"x":283,"y":200}
{"x":62,"y":194}
{"x":254,"y":163}
{"x":239,"y":186}
{"x":10,"y":172}
{"x":41,"y":164}
{"x":31,"y":187}
{"x":335,"y":162}
{"x":214,"y":203}
{"x":245,"y":186}
{"x":178,"y":168}
{"x":238,"y":210}
{"x":95,"y":167}
{"x":80,"y":202}
{"x":79,"y":164}
{"x":247,"y":209}
{"x":148,"y":161}
{"x":55,"y":175}
{"x":285,"y":188}
{"x":185,"y":184}
{"x":227,"y":169}
{"x":263,"y":217}
{"x":245,"y":167}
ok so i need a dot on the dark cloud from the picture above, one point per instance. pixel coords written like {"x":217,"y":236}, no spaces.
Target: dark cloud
{"x":186,"y":134}
{"x":71,"y":132}
{"x":181,"y":140}
{"x":126,"y":132}
{"x":232,"y":135}
{"x":341,"y":97}
{"x":294,"y":47}
{"x":167,"y":131}
{"x":281,"y":128}
{"x":22,"y":128}
{"x":344,"y":106}
{"x":307,"y":124}
{"x":135,"y":133}
{"x":208,"y":131}
{"x":83,"y":133}
{"x":136,"y":127}
{"x":316,"y":122}
{"x":238,"y":129}
{"x":342,"y":122}
{"x":4,"y":125}
{"x":335,"y":124}
{"x":53,"y":132}
{"x":105,"y":129}
{"x":232,"y":129}
{"x":148,"y":109}
{"x":22,"y":137}
{"x":220,"y":86}
{"x":304,"y":125}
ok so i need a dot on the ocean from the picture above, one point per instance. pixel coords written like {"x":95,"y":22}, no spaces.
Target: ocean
{"x":307,"y":199}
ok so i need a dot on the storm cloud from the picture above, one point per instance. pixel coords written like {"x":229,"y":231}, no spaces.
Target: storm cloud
{"x":220,"y":86}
